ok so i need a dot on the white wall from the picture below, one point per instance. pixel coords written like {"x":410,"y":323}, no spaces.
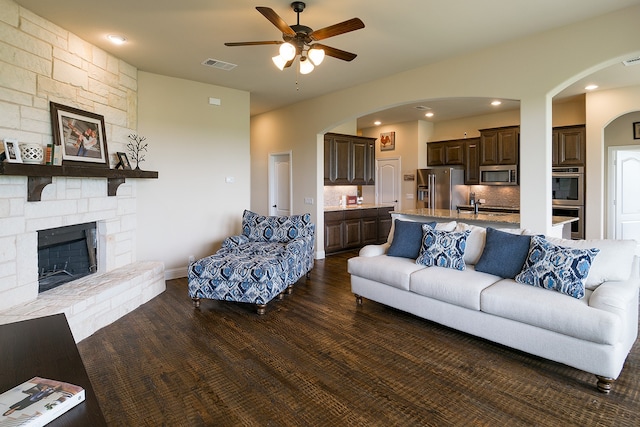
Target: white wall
{"x":194,"y":146}
{"x":519,"y":69}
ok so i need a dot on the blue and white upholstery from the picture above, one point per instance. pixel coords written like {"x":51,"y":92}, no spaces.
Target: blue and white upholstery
{"x":271,"y":254}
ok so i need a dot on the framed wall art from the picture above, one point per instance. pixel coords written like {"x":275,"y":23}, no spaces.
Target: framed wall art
{"x":12,"y":151}
{"x":636,"y":130}
{"x":80,"y":134}
{"x":387,"y":141}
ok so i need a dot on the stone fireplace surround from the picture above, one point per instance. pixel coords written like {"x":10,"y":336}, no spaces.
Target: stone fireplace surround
{"x":92,"y":302}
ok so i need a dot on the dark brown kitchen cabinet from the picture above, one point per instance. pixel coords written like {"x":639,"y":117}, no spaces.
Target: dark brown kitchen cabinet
{"x":349,"y":160}
{"x":354,"y":228}
{"x":499,"y":146}
{"x":569,"y":146}
{"x":472,"y":161}
{"x":384,"y":223}
{"x":445,"y":153}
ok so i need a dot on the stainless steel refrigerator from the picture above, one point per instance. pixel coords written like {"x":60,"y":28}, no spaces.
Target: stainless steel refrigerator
{"x":441,"y":188}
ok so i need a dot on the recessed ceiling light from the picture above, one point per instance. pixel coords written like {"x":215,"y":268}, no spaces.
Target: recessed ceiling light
{"x":377,"y":123}
{"x":429,"y":114}
{"x":494,"y":103}
{"x":117,"y":39}
{"x":591,"y":87}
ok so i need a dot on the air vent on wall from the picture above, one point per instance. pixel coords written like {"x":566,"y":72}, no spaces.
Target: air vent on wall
{"x":632,"y":61}
{"x":227,"y":66}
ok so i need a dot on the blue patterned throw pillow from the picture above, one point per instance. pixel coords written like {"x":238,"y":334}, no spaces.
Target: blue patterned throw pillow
{"x":443,"y":248}
{"x":262,"y":228}
{"x":557,"y":267}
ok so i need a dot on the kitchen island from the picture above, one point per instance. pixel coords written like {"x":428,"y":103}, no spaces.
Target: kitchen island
{"x":560,"y":224}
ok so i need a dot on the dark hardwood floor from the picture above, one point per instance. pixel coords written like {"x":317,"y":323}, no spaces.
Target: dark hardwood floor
{"x":317,"y":359}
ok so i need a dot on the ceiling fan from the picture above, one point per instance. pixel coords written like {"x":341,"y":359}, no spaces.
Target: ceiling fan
{"x":300,"y":40}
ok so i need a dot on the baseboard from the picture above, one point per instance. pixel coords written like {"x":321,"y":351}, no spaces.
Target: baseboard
{"x":175,"y":273}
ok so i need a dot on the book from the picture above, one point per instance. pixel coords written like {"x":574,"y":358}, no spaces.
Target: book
{"x":37,"y":402}
{"x":57,"y":155}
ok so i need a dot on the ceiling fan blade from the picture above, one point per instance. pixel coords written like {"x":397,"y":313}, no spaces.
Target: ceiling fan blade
{"x":336,"y":53}
{"x":251,"y":43}
{"x":275,"y":19}
{"x":337,"y":29}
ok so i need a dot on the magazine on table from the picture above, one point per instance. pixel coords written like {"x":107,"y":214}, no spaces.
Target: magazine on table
{"x":37,"y":402}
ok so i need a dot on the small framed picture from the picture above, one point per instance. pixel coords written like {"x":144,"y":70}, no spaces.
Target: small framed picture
{"x":388,"y":141}
{"x":123,"y":161}
{"x":12,"y":150}
{"x":636,"y":130}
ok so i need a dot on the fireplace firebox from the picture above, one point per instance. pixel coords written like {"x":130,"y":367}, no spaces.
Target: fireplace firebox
{"x":65,"y":254}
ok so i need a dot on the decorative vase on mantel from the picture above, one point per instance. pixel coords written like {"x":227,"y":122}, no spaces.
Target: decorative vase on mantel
{"x":31,"y":153}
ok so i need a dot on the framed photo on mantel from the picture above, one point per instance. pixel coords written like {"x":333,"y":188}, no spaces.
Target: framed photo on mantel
{"x":80,"y":134}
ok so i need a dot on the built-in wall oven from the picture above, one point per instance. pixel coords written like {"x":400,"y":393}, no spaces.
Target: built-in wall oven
{"x":567,"y":186}
{"x":577,"y":227}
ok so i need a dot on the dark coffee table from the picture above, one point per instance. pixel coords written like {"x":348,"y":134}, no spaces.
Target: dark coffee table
{"x":45,"y":347}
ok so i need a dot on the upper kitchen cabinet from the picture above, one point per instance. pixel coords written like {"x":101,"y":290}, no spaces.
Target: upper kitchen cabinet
{"x":569,"y":145}
{"x":349,"y":160}
{"x":446,"y":153}
{"x":472,"y":161}
{"x":499,"y":146}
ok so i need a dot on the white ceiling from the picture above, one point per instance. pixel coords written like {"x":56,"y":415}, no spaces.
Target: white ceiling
{"x":173,"y":38}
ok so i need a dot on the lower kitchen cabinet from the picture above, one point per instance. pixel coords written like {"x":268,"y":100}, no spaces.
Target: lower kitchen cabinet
{"x":354,"y":228}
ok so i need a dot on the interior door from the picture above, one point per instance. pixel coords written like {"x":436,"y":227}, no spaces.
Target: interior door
{"x":388,"y":182}
{"x":280,"y":188}
{"x":627,"y":202}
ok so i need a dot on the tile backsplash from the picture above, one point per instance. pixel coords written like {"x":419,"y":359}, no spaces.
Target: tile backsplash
{"x":495,"y":195}
{"x":333,"y":193}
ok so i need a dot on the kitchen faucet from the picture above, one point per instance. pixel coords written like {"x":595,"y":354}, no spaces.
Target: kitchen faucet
{"x":475,"y":207}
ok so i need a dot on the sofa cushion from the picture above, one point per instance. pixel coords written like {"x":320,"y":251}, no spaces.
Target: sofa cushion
{"x":552,"y":311}
{"x":443,"y":248}
{"x":392,"y":271}
{"x":407,"y":239}
{"x":504,"y":254}
{"x":458,"y":287}
{"x":262,"y":228}
{"x":556,"y":267}
{"x":614,"y":262}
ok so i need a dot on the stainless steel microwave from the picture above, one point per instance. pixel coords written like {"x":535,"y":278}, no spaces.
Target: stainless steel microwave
{"x":499,"y":175}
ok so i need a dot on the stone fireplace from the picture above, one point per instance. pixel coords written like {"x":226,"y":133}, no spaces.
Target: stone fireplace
{"x":120,"y":284}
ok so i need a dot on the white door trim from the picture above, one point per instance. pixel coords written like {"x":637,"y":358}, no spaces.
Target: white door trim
{"x":272,"y":190}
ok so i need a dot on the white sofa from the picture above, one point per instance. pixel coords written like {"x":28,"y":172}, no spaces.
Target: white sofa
{"x":594,"y":333}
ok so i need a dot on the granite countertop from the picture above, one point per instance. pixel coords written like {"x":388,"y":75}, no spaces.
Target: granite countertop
{"x":507,"y":209}
{"x":495,"y":217}
{"x":352,"y":207}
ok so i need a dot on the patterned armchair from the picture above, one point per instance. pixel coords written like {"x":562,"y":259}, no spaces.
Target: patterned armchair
{"x":271,"y":254}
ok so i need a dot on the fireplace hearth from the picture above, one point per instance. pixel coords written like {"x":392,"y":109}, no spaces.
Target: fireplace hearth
{"x":66,"y":254}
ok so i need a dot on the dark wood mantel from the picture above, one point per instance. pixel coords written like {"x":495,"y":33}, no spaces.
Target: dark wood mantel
{"x":39,"y":176}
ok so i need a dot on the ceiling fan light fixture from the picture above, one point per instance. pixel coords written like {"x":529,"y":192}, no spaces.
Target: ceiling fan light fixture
{"x":305,"y":66}
{"x":279,"y":61}
{"x":316,"y":55}
{"x":287,"y":51}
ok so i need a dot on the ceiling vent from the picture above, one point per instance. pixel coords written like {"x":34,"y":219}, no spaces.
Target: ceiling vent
{"x":422,"y":108}
{"x":633,"y":61}
{"x":227,"y":66}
